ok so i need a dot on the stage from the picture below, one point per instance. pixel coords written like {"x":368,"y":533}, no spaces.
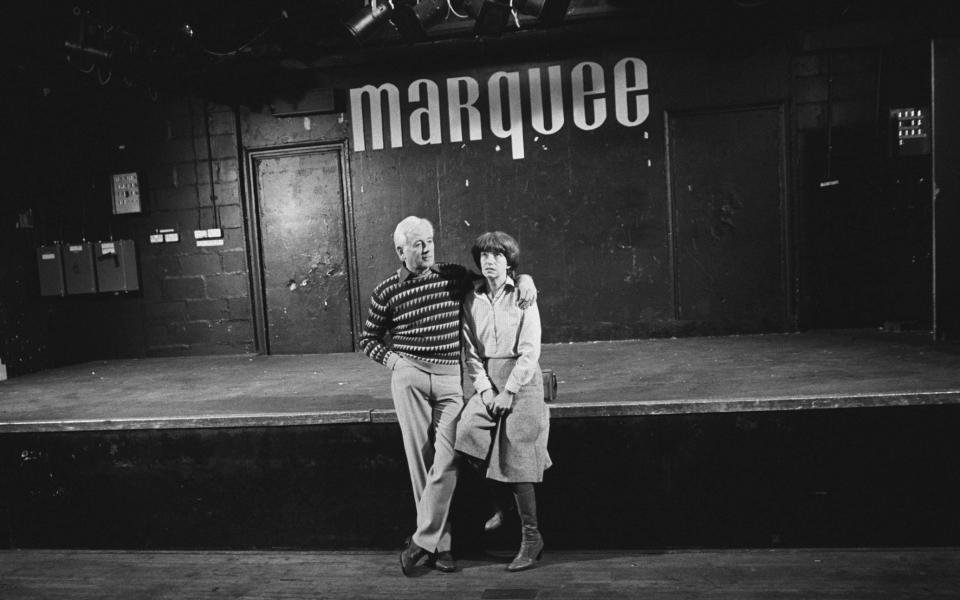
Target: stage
{"x":821,"y":439}
{"x":817,"y":370}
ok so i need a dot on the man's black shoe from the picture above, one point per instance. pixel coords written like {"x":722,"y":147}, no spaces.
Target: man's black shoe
{"x":444,"y":562}
{"x":410,"y":556}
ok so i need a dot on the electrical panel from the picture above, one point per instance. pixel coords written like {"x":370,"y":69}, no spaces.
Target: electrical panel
{"x":117,"y":266}
{"x":125,"y":191}
{"x":50,"y":267}
{"x":78,"y":270}
{"x":317,"y":102}
{"x":911,"y":131}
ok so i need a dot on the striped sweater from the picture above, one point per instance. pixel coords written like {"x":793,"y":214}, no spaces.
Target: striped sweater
{"x":421,"y":315}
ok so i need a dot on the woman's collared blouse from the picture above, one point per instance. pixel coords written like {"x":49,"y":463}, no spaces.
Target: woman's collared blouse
{"x":500,"y":329}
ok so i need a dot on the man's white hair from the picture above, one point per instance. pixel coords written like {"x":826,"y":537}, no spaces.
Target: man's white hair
{"x":406,"y":226}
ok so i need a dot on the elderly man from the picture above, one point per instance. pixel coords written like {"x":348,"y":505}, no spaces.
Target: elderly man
{"x":419,"y":306}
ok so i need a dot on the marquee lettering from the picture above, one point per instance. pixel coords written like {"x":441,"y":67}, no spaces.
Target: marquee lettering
{"x":536,"y":101}
{"x":509,"y":99}
{"x":431,"y":112}
{"x":641,"y":100}
{"x":582,"y":89}
{"x":374,"y":95}
{"x":457,"y":107}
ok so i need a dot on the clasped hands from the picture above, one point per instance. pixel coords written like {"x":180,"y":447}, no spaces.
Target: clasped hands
{"x":497,"y":404}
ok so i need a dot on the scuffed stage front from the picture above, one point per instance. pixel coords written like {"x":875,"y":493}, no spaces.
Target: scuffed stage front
{"x":814,"y":439}
{"x":847,"y":369}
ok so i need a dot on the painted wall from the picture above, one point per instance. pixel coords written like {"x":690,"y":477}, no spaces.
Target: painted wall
{"x":592,"y":208}
{"x":589,"y":208}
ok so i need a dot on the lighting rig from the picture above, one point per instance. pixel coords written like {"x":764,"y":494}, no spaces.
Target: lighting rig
{"x":162,"y":52}
{"x":413,"y":18}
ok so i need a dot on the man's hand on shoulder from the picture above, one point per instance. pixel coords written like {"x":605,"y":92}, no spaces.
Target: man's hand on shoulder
{"x":528,"y":291}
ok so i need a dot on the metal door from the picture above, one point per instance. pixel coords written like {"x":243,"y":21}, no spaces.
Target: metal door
{"x":728,"y":229}
{"x":301,"y":232}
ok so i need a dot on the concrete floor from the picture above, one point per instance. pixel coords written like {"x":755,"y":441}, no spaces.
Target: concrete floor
{"x":816,"y":370}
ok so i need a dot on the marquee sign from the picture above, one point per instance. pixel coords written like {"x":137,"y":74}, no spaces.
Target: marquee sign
{"x":508,"y":105}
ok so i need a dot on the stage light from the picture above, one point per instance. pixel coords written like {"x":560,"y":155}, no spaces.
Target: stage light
{"x":491,"y":17}
{"x":546,"y":11}
{"x":413,"y":20}
{"x":369,"y":19}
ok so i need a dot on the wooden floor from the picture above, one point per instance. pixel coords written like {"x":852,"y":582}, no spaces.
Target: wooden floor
{"x":736,"y":575}
{"x":815,"y":370}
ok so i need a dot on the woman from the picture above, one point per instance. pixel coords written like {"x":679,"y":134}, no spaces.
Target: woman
{"x":505,"y":425}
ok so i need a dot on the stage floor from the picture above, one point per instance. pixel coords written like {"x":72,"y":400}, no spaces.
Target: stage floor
{"x":814,"y":370}
{"x":841,"y":574}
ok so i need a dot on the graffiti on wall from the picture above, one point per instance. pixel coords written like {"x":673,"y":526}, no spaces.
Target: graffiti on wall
{"x":508,"y":105}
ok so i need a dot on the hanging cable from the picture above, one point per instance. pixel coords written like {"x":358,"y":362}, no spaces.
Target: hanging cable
{"x":516,"y":18}
{"x":79,"y":68}
{"x":213,"y":193}
{"x":829,"y":115}
{"x":283,"y":16}
{"x":239,"y":48}
{"x":100,"y":77}
{"x":453,"y":10}
{"x":196,"y":166}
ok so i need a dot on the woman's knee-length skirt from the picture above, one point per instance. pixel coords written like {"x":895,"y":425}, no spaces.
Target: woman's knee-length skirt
{"x":516,"y":444}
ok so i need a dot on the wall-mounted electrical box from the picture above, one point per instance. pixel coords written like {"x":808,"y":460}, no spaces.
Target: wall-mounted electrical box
{"x":323,"y":101}
{"x":78,"y":270}
{"x":50,"y":267}
{"x":911,"y":131}
{"x":125,"y":192}
{"x":117,"y":266}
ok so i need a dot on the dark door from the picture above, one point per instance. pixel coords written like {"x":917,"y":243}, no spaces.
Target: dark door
{"x":946,"y":183}
{"x":727,"y":189}
{"x":304,"y":269}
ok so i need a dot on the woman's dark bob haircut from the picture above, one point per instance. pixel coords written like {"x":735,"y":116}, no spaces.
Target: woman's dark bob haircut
{"x":497,"y":241}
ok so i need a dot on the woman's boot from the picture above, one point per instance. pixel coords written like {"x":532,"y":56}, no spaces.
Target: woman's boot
{"x":493,"y":502}
{"x":531,"y":544}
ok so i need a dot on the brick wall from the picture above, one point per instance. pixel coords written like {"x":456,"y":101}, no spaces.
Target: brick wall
{"x":192,"y":300}
{"x":195,"y":299}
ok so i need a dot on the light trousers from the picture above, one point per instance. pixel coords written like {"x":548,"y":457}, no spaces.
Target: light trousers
{"x":428,"y":409}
